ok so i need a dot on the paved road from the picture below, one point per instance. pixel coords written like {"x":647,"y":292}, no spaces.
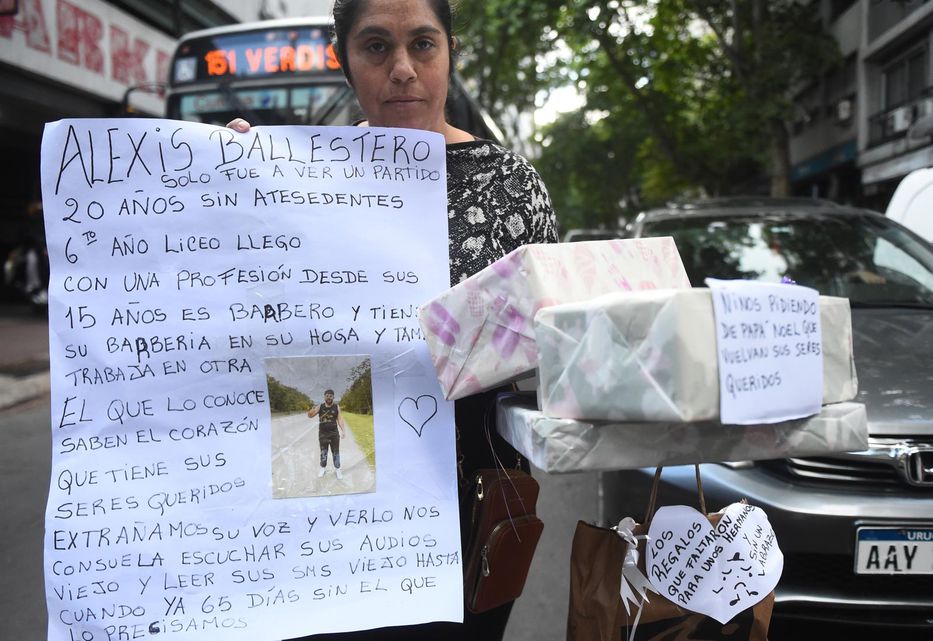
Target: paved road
{"x":541,"y":612}
{"x":296,"y":461}
{"x":25,"y":465}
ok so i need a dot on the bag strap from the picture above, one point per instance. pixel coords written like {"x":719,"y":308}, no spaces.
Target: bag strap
{"x":653,"y":498}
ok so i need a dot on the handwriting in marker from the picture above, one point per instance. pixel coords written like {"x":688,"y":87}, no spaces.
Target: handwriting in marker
{"x":418,"y":412}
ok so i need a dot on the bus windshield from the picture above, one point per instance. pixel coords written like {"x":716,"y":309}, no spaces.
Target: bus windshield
{"x":323,"y":104}
{"x":269,"y":73}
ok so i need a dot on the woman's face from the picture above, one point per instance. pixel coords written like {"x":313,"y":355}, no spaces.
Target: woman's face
{"x":400,"y":62}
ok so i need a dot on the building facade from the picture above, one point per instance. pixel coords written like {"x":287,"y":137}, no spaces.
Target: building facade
{"x":75,"y":59}
{"x":861,"y":129}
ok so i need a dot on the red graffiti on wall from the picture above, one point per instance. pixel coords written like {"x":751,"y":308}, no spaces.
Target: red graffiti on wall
{"x":126,"y":58}
{"x":79,"y":37}
{"x":81,"y":41}
{"x":32,"y":21}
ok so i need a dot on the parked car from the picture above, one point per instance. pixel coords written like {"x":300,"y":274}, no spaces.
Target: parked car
{"x":822,"y":507}
{"x":577,"y":235}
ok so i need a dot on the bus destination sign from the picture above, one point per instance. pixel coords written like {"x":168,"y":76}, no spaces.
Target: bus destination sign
{"x":256,"y":54}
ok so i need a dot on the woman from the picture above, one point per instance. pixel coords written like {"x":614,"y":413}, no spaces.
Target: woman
{"x":397,"y":56}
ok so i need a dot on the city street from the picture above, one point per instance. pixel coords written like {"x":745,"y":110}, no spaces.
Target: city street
{"x":231,"y":223}
{"x":25,"y":461}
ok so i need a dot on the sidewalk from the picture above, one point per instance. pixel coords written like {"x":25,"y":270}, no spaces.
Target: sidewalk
{"x":24,"y":355}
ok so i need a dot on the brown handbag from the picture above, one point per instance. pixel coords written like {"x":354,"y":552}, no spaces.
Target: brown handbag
{"x":503,"y":533}
{"x":598,"y":614}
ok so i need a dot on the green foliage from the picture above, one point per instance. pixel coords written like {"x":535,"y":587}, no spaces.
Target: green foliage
{"x":361,"y":426}
{"x":590,"y":196}
{"x":359,"y":397}
{"x":283,"y":398}
{"x":681,"y":96}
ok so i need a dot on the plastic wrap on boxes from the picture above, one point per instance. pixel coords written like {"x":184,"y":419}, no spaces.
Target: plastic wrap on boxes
{"x":565,"y":445}
{"x":481,"y":332}
{"x":651,"y":356}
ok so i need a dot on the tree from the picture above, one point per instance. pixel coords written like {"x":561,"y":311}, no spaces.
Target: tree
{"x":695,"y":94}
{"x":283,"y":398}
{"x":359,"y":396}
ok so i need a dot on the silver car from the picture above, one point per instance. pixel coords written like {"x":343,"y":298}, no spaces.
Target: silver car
{"x":856,"y":529}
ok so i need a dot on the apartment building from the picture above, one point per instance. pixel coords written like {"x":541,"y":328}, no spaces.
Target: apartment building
{"x":867,"y":124}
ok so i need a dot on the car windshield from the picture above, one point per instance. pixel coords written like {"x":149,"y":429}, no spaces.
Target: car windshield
{"x":863,"y":257}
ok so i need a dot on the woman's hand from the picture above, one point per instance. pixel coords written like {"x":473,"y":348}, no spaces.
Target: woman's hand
{"x":238,"y":124}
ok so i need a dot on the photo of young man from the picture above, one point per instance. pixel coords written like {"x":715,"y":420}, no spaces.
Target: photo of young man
{"x":329,"y":421}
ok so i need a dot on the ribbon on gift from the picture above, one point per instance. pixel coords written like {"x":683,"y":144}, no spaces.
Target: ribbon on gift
{"x":633,"y":581}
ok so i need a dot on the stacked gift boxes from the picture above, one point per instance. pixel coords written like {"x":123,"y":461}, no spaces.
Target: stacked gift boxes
{"x":625,"y":352}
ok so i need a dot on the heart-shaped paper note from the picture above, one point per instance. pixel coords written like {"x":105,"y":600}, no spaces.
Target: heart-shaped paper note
{"x":417,"y":412}
{"x":717,"y":571}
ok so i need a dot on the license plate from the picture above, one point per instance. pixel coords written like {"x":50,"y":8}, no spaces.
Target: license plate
{"x":894,"y":550}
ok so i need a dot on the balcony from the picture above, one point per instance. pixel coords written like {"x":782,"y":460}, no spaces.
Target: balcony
{"x":893,"y":123}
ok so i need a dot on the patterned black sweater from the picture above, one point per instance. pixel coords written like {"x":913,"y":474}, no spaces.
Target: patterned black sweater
{"x":496,"y":202}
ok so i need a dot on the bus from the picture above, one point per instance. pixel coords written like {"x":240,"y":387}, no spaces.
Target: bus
{"x":280,"y":72}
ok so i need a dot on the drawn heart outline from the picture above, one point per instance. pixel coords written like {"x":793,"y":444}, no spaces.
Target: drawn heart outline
{"x":716,"y":570}
{"x":429,"y":411}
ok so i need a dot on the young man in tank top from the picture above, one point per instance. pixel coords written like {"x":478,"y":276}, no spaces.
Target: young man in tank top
{"x":329,"y":421}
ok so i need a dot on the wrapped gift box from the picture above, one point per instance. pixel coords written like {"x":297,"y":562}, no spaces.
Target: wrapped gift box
{"x":565,"y":445}
{"x":481,"y":332}
{"x":651,"y":356}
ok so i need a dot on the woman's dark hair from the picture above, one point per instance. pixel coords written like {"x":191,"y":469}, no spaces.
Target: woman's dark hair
{"x":346,"y":12}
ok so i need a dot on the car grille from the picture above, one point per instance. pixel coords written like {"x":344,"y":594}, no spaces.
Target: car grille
{"x":831,"y":574}
{"x":883,"y":467}
{"x":839,"y":470}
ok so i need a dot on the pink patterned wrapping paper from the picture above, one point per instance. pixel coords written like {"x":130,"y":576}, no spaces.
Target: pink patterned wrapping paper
{"x":481,"y":331}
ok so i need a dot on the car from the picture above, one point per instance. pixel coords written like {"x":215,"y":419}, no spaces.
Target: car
{"x":579,"y":235}
{"x":821,"y":507}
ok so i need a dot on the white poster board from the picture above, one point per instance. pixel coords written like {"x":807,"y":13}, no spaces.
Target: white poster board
{"x":770,"y":349}
{"x":202,"y":280}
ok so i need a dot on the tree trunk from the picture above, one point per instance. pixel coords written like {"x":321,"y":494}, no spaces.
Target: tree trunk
{"x":780,"y":158}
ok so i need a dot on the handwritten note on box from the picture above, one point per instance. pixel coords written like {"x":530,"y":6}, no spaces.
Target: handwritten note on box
{"x":481,"y":332}
{"x":770,"y":350}
{"x":207,"y":288}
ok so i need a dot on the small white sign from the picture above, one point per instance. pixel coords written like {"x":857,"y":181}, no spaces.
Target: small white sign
{"x":770,"y":350}
{"x":716,"y":570}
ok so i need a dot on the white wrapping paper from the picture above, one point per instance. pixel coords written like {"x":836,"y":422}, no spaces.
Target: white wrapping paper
{"x":564,"y":445}
{"x":651,"y":356}
{"x":481,"y":332}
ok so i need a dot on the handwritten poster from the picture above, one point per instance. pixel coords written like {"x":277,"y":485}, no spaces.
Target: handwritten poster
{"x":249,"y":441}
{"x":718,"y":570}
{"x":770,"y":349}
